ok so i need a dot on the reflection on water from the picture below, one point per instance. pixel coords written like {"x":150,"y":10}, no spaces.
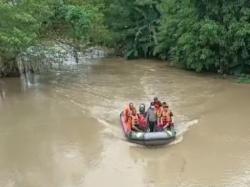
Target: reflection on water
{"x":62,"y":128}
{"x":2,"y":91}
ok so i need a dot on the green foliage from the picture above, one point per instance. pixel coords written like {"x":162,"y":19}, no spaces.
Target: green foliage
{"x":80,"y":21}
{"x":244,"y":78}
{"x":202,"y":35}
{"x":199,"y":34}
{"x":76,"y":18}
{"x":16,"y":29}
{"x":206,"y":35}
{"x":134,"y":25}
{"x":19,"y":28}
{"x":25,"y":22}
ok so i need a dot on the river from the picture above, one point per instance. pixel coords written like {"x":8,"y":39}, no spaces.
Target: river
{"x":61,"y":129}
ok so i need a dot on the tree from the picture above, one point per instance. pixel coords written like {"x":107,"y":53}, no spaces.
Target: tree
{"x":26,"y":22}
{"x":19,"y":28}
{"x":134,"y":24}
{"x":206,"y":35}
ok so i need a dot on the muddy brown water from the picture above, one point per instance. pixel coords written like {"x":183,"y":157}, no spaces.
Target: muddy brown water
{"x":61,"y":129}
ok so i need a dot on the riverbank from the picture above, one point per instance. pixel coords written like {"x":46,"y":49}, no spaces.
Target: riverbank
{"x":191,"y":35}
{"x":50,"y":55}
{"x":99,"y":52}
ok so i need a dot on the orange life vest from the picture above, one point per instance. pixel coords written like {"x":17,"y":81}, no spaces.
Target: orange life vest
{"x":134,"y":119}
{"x":166,"y":117}
{"x":159,"y":111}
{"x":127,"y":113}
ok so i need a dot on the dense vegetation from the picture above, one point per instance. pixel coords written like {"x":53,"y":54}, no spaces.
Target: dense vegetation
{"x":134,"y":24}
{"x":206,"y":35}
{"x":199,"y":34}
{"x":26,"y":22}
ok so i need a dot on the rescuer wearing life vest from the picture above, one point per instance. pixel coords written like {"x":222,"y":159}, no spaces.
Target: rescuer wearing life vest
{"x":128,"y":111}
{"x":135,"y":121}
{"x":143,"y":125}
{"x":157,"y":102}
{"x":166,"y":117}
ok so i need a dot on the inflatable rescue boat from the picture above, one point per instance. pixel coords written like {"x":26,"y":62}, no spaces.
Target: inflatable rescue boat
{"x":147,"y":138}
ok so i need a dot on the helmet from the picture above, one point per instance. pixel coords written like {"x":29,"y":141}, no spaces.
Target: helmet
{"x":142,"y":108}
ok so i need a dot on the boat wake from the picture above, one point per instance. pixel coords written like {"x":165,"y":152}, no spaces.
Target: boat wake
{"x":111,"y":127}
{"x":181,"y":128}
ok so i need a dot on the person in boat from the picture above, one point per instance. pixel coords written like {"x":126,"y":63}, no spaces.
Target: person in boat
{"x":158,"y":109}
{"x":157,"y":102}
{"x":135,"y":121}
{"x":142,"y":118}
{"x":164,"y":104}
{"x":152,"y":117}
{"x":128,"y":111}
{"x":166,"y":118}
{"x":159,"y":114}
